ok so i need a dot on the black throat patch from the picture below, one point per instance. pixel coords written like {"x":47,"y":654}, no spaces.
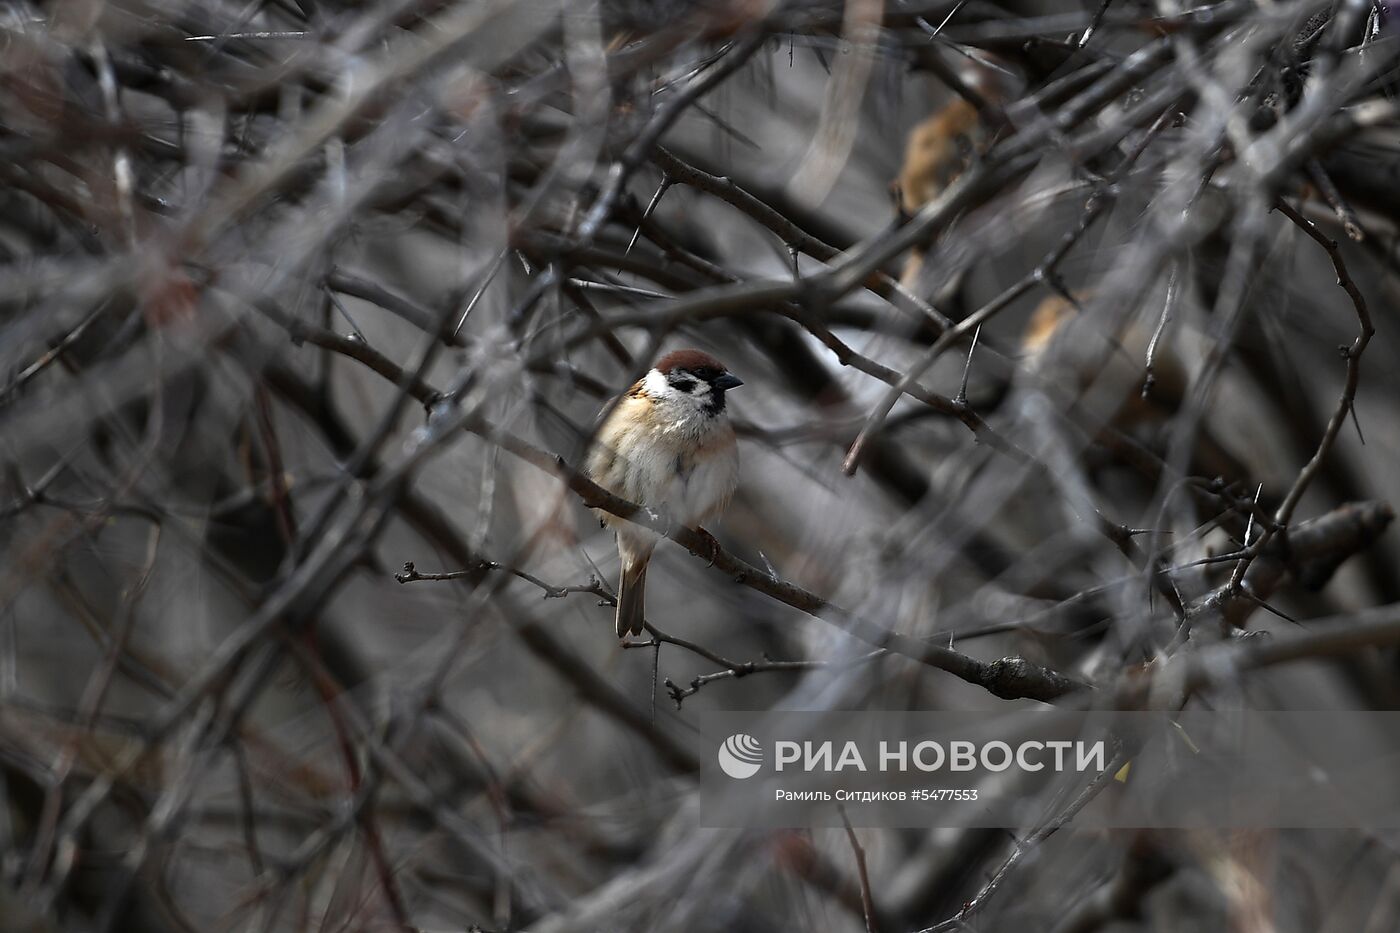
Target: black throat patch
{"x":715,"y":404}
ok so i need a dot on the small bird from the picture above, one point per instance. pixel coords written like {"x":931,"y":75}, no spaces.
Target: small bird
{"x":945,"y":144}
{"x":668,"y":446}
{"x":1101,"y":365}
{"x":938,"y":150}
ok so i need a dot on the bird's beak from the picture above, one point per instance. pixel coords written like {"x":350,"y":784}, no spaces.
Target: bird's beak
{"x":727,"y":381}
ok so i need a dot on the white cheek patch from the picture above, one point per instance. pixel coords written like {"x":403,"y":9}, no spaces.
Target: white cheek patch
{"x":656,"y":384}
{"x":673,"y":399}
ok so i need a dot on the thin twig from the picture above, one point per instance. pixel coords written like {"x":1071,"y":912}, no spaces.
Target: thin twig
{"x":867,"y":901}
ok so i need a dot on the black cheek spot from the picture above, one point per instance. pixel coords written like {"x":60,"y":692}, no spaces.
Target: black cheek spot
{"x":683,"y":385}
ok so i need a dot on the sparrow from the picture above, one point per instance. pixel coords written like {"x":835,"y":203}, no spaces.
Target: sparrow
{"x":946,"y":143}
{"x":1102,"y":365}
{"x":668,"y":446}
{"x":939,"y":149}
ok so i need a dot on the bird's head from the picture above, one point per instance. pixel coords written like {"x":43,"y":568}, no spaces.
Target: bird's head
{"x":690,"y":381}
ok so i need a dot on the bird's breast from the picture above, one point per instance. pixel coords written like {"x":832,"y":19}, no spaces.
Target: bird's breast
{"x":685,"y":471}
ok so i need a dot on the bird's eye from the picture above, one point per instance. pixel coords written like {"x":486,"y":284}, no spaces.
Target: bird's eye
{"x":682,"y":385}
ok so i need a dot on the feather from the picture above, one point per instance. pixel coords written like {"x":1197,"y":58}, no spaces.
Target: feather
{"x":631,"y":600}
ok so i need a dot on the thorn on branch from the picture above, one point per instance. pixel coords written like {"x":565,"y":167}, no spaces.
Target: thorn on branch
{"x":961,"y":397}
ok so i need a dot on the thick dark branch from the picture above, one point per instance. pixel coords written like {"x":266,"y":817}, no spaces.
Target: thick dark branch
{"x":1310,"y":553}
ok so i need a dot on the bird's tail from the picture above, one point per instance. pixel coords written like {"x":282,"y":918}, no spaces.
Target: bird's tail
{"x":631,"y":598}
